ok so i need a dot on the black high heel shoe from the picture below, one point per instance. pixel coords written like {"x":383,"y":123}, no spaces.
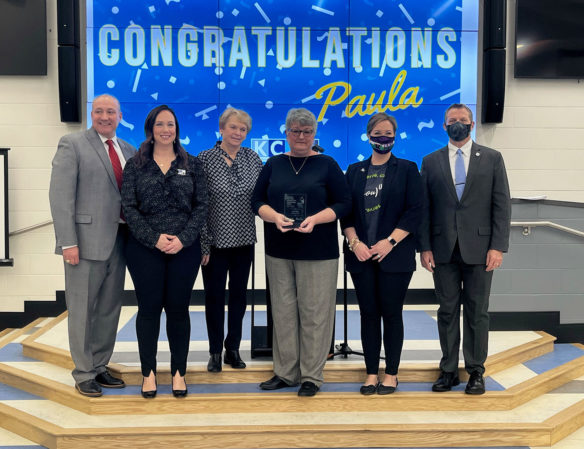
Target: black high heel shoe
{"x":148,"y":394}
{"x":180,"y":393}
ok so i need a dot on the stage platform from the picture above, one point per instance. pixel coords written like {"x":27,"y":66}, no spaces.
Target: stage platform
{"x":535,"y":396}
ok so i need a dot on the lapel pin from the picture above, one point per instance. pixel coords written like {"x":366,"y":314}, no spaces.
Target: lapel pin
{"x":181,"y":172}
{"x":362,"y":169}
{"x":477,"y":154}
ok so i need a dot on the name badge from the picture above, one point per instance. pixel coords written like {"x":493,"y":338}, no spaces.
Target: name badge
{"x":181,"y":171}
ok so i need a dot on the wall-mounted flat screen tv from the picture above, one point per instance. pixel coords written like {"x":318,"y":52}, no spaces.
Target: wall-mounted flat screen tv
{"x":23,"y":37}
{"x":549,"y":39}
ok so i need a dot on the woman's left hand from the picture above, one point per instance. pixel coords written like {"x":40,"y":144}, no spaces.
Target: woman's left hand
{"x":307,"y":225}
{"x":381,"y":249}
{"x":174,"y":245}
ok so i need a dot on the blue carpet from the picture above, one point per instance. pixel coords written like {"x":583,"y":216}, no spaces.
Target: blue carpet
{"x":23,"y":447}
{"x":12,"y":352}
{"x":418,"y":325}
{"x":8,"y":393}
{"x":562,"y":353}
{"x":331,"y":387}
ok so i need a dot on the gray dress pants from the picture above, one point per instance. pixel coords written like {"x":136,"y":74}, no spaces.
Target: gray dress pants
{"x":303,"y":296}
{"x":93,"y":293}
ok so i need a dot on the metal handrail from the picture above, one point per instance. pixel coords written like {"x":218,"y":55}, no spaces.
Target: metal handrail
{"x":31,"y":228}
{"x":527,"y":225}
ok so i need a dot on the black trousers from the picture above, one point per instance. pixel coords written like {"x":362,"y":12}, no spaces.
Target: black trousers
{"x":458,"y":283}
{"x":163,"y":281}
{"x":381,"y":297}
{"x":237,"y":262}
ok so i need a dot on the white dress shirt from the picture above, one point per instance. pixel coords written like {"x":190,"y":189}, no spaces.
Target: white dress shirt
{"x":116,"y":147}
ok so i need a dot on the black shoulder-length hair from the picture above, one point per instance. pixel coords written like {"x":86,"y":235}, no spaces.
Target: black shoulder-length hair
{"x":147,"y":147}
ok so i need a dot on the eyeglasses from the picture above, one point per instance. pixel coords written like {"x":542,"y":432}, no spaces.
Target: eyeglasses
{"x":298,"y":132}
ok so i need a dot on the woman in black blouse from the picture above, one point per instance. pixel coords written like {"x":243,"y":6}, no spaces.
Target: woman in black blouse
{"x":380,"y":247}
{"x":300,"y":195}
{"x":164,"y":199}
{"x":228,"y":238}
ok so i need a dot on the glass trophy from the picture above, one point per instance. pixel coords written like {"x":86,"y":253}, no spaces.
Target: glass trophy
{"x":295,"y":208}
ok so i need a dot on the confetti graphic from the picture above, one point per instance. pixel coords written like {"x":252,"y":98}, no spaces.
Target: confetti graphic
{"x":343,"y":60}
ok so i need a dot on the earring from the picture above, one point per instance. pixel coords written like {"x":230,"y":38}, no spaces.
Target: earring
{"x":152,"y":142}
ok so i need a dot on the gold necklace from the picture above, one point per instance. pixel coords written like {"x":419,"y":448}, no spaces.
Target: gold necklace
{"x":294,"y":168}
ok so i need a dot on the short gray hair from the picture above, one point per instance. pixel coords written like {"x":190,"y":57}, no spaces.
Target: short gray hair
{"x":239,"y":114}
{"x":302,"y":117}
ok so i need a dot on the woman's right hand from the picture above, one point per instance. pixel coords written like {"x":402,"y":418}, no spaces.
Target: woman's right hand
{"x":205,"y":259}
{"x":163,"y":242}
{"x":283,"y":223}
{"x":362,"y":252}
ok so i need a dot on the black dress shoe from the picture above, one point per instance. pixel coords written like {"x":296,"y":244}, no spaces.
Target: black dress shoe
{"x":106,"y":380}
{"x":308,"y":389}
{"x":387,"y":389}
{"x":232,"y":358}
{"x":368,"y":390}
{"x":151,"y":394}
{"x":214,"y":365}
{"x":275,"y":383}
{"x":89,"y":388}
{"x":476,"y":384}
{"x":446,"y":381}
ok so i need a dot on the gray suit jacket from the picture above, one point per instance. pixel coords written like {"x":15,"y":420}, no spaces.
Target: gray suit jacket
{"x":479,"y":221}
{"x":84,"y":195}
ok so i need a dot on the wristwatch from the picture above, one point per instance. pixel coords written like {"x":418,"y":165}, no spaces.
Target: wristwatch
{"x":392,"y":241}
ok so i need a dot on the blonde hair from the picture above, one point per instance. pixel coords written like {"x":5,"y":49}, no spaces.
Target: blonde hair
{"x":239,"y":114}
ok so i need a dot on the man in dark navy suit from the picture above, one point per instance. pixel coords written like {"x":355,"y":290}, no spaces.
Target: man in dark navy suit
{"x":464,"y":233}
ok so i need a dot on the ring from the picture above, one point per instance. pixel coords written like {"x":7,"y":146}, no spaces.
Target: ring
{"x":68,"y":261}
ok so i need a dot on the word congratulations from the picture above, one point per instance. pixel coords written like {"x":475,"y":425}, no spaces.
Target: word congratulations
{"x":162,"y":45}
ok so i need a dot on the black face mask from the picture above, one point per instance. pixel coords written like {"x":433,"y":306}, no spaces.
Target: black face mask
{"x":382,"y":144}
{"x":458,"y":131}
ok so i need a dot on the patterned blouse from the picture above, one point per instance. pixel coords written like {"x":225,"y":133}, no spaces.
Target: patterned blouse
{"x":230,"y":222}
{"x":155,"y":203}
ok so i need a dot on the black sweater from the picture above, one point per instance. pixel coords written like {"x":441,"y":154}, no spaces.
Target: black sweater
{"x":155,"y":203}
{"x":324,"y":185}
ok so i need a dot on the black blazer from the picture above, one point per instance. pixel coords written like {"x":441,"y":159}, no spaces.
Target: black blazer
{"x":479,"y":221}
{"x":401,"y":207}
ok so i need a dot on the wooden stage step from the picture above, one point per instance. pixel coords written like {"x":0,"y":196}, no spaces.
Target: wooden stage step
{"x":295,"y":430}
{"x":336,"y":371}
{"x":30,"y":377}
{"x":539,"y":408}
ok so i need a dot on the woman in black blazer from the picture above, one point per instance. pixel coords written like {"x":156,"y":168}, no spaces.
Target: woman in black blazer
{"x":380,"y":247}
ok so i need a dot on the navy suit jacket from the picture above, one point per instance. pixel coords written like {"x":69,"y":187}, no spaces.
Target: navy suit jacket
{"x":480,"y":221}
{"x":401,"y":207}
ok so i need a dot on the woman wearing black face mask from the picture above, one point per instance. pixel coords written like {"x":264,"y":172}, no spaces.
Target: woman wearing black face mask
{"x":380,"y":247}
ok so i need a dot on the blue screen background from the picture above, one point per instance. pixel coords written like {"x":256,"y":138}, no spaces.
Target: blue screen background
{"x":125,"y":67}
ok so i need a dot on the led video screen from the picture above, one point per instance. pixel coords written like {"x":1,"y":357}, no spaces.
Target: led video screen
{"x":343,"y":60}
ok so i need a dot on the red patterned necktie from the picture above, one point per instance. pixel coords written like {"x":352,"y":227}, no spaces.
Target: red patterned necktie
{"x":116,"y":165}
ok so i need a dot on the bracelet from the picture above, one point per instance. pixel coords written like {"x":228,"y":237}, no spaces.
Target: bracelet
{"x":353,"y":243}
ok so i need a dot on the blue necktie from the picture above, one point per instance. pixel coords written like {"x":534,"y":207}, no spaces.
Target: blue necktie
{"x":459,"y":174}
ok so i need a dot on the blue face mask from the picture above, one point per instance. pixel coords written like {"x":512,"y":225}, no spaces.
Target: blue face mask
{"x":458,"y":131}
{"x":381,"y":144}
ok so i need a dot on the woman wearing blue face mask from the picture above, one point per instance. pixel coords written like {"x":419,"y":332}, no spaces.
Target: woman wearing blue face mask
{"x":380,"y":247}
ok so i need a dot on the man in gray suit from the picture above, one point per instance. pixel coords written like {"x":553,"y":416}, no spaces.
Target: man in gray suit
{"x":85,"y":203}
{"x":464,"y":233}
